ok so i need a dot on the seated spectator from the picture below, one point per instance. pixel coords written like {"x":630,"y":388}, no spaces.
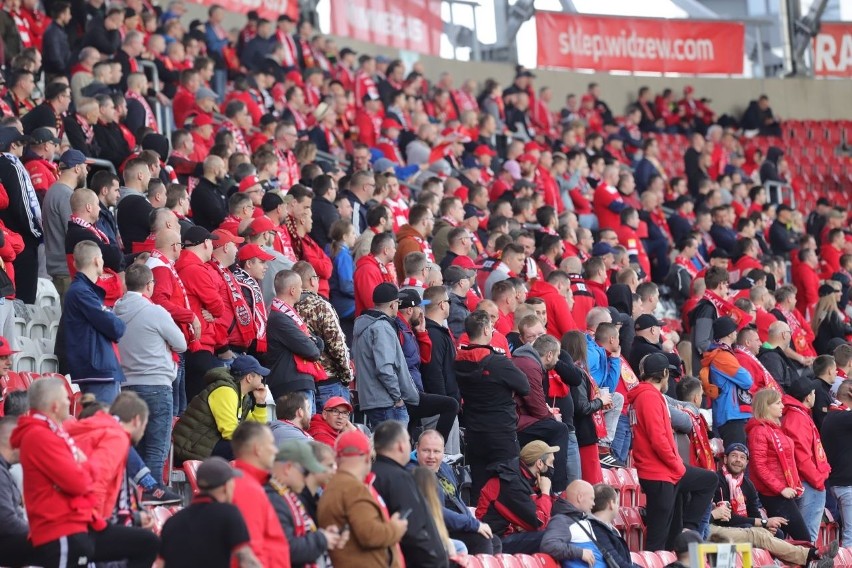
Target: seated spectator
{"x":569,"y":535}
{"x":232,"y":396}
{"x":774,"y":355}
{"x":517,"y":501}
{"x":293,"y":413}
{"x":608,"y":540}
{"x":696,"y":451}
{"x":328,"y":426}
{"x":758,"y":116}
{"x":828,"y":321}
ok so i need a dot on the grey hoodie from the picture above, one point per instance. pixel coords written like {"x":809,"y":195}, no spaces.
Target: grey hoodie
{"x":381,"y":373}
{"x":146,"y":347}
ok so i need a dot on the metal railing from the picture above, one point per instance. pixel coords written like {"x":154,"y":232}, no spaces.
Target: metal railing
{"x":101,"y":164}
{"x":163,"y":114}
{"x":780,"y":192}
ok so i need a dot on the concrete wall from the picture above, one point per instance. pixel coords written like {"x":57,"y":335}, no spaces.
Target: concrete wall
{"x":790,"y":98}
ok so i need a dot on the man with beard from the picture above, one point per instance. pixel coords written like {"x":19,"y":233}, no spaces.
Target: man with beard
{"x":209,"y":201}
{"x":293,"y":413}
{"x":39,"y":159}
{"x":57,"y":211}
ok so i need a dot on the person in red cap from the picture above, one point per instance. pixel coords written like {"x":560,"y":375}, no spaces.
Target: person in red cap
{"x":235,"y":330}
{"x":589,"y":112}
{"x":369,"y":120}
{"x":201,"y":127}
{"x":350,"y":499}
{"x":333,"y":422}
{"x":250,"y":272}
{"x":251,"y":186}
{"x":387,"y":141}
{"x":694,"y":112}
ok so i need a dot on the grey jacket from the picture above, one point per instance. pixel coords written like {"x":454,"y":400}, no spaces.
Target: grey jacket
{"x":285,"y":431}
{"x":12,"y":519}
{"x":147,"y":344}
{"x":56,"y":210}
{"x":381,"y":373}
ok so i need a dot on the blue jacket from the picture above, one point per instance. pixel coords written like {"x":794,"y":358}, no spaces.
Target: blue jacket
{"x":457,"y":516}
{"x":342,"y":283}
{"x":604,"y":369}
{"x":89,"y":331}
{"x":411,"y":351}
{"x":733,"y":390}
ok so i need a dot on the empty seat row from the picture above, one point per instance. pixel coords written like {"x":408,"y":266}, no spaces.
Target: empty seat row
{"x":21,"y":381}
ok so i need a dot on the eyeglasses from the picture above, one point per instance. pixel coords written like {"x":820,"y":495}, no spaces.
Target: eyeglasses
{"x":315,"y":277}
{"x":151,"y":281}
{"x":337,"y":412}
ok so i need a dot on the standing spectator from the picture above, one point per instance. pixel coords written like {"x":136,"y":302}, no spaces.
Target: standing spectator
{"x":342,"y":285}
{"x":324,"y":212}
{"x":836,"y":428}
{"x":82,"y":226}
{"x":147,"y":352}
{"x":797,"y":423}
{"x":773,"y":464}
{"x":186,"y":538}
{"x":23,"y":215}
{"x":88,"y":331}
{"x":49,"y":114}
{"x":350,"y":499}
{"x":439,"y":375}
{"x":64,"y":527}
{"x":662,"y":475}
{"x":322,"y":320}
{"x":57,"y":211}
{"x":134,"y":209}
{"x":293,"y":351}
{"x":384,"y":383}
{"x":209,"y":201}
{"x":721,"y":368}
{"x":234,"y":329}
{"x":250,"y":272}
{"x":14,"y":546}
{"x":458,"y":281}
{"x":399,"y":492}
{"x":774,"y":355}
{"x":490,"y":413}
{"x":233,"y":396}
{"x":713,"y":305}
{"x":57,"y":51}
{"x":254,"y":453}
{"x":825,"y":373}
{"x":373,"y":269}
{"x":109,"y":136}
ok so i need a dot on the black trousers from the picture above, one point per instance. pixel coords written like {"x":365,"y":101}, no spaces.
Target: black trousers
{"x":778,"y":506}
{"x":135,"y":545}
{"x":16,"y":551}
{"x":445,"y":407}
{"x":733,"y":431}
{"x":26,"y":271}
{"x":485,"y":448}
{"x":674,"y":507}
{"x":478,"y":544}
{"x":197,"y":365}
{"x":554,"y":433}
{"x":523,"y":543}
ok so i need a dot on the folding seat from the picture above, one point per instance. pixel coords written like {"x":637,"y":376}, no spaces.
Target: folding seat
{"x":619,"y":524}
{"x":634,"y":528}
{"x":638,"y":559}
{"x":667,"y":556}
{"x":845,"y":554}
{"x":190,"y":467}
{"x":72,"y":389}
{"x":527,"y":561}
{"x":161,"y":515}
{"x":828,"y":529}
{"x":53,"y":330}
{"x":652,"y":560}
{"x":628,"y":486}
{"x":761,"y":557}
{"x":37,"y":329}
{"x":489,"y":561}
{"x":641,"y":499}
{"x":20,"y":327}
{"x":46,"y":294}
{"x":25,"y":361}
{"x":509,"y":561}
{"x":468,"y":561}
{"x":546,"y":560}
{"x":48,"y":363}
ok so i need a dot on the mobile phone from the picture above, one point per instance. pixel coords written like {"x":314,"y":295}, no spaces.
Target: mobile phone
{"x":345,"y":528}
{"x":404,"y":514}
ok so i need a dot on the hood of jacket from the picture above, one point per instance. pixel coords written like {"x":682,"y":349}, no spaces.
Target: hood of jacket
{"x":527,"y":350}
{"x":366,"y":260}
{"x":370,"y":318}
{"x":563,"y":507}
{"x":722,"y":358}
{"x":130,"y":306}
{"x":621,"y":298}
{"x":791,"y":402}
{"x":26,"y":424}
{"x":773,"y":154}
{"x":187,"y":258}
{"x":642,"y":388}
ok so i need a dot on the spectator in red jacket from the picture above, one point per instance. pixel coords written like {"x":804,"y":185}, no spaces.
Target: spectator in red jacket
{"x":66,"y":529}
{"x":607,"y":201}
{"x":332,"y":422}
{"x":798,"y":424}
{"x":830,"y":253}
{"x":662,"y":475}
{"x":806,"y":281}
{"x":558,"y":301}
{"x":772,"y":467}
{"x":371,"y":270}
{"x":597,"y":275}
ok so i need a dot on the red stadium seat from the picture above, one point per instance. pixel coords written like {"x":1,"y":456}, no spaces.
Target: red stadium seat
{"x":190,"y":467}
{"x":845,"y":554}
{"x":638,"y":559}
{"x":468,"y":561}
{"x":546,"y":560}
{"x":760,"y":557}
{"x":74,"y":394}
{"x":667,"y":556}
{"x":527,"y":561}
{"x":629,"y":487}
{"x":489,"y":561}
{"x":509,"y":561}
{"x":828,"y":530}
{"x":652,"y":560}
{"x":634,"y":528}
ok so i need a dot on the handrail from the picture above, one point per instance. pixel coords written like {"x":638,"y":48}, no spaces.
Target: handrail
{"x":102,"y":163}
{"x":158,"y":107}
{"x":776,"y":191}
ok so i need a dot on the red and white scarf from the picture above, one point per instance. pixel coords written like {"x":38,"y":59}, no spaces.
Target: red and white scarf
{"x":86,"y":225}
{"x":150,"y":119}
{"x":251,"y":287}
{"x":312,"y":368}
{"x":288,"y":164}
{"x":412,"y":283}
{"x":88,"y":130}
{"x":735,"y":487}
{"x":798,"y":332}
{"x":781,"y":452}
{"x":57,"y":429}
{"x":687,"y":264}
{"x":242,"y":314}
{"x":725,"y":308}
{"x":702,"y":453}
{"x":768,"y":380}
{"x":157,"y":260}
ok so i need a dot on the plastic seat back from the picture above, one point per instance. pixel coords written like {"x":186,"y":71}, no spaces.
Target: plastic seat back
{"x":527,"y":561}
{"x":190,"y":467}
{"x":508,"y":561}
{"x":546,"y":560}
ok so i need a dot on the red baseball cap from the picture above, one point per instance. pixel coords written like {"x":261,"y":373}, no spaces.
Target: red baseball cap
{"x":351,"y":444}
{"x":465,"y":262}
{"x":260,"y":225}
{"x":200,"y":120}
{"x":484,"y":150}
{"x":336,"y":401}
{"x":253,"y":251}
{"x":587,"y":97}
{"x":248,"y":182}
{"x":532,"y":145}
{"x":688,"y":90}
{"x":226,"y":237}
{"x":528,"y":158}
{"x":296,"y":77}
{"x":391,"y":123}
{"x":6,"y":348}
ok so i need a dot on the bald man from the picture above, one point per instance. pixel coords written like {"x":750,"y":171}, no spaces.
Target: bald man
{"x":209,"y":200}
{"x":568,"y":536}
{"x":773,"y":355}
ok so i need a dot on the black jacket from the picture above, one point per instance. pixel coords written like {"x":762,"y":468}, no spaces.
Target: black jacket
{"x":584,"y":424}
{"x":97,"y":36}
{"x":133,"y":217}
{"x":317,"y":136}
{"x":41,"y":115}
{"x":400,"y":493}
{"x":769,"y":167}
{"x":439,"y":374}
{"x":642,"y":347}
{"x":781,"y":239}
{"x":113,"y":259}
{"x":779,"y":366}
{"x":112,"y":144}
{"x":285,"y":340}
{"x":512,"y":486}
{"x":835,"y":432}
{"x":724,"y":238}
{"x":305,"y":549}
{"x":488,"y":382}
{"x":609,"y":541}
{"x":19,"y":216}
{"x":701,"y":320}
{"x":458,"y":313}
{"x":359,"y":211}
{"x":209,"y":204}
{"x":828,"y":329}
{"x":77,"y":138}
{"x":12,"y":519}
{"x":822,"y":402}
{"x":679,"y":227}
{"x":324,"y":213}
{"x":752,"y":500}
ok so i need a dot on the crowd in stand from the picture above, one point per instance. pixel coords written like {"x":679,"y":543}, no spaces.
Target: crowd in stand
{"x":387,"y":262}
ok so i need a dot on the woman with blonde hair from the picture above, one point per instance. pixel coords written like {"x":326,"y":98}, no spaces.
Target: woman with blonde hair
{"x":427,"y":483}
{"x":772,"y":463}
{"x":828,"y":321}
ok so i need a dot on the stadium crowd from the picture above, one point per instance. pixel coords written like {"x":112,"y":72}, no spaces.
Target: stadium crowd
{"x":409,"y":273}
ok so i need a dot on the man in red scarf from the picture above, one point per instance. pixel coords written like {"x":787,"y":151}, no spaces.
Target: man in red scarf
{"x":234,"y":329}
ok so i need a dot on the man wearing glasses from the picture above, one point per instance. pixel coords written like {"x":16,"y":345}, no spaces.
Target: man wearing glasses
{"x":333,"y":421}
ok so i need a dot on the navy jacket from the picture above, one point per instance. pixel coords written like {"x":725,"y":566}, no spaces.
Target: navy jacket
{"x":90,"y":330}
{"x":457,"y":517}
{"x":609,"y":540}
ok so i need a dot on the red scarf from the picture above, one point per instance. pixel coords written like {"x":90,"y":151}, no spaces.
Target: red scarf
{"x":287,"y":163}
{"x":597,"y":416}
{"x":702,"y":453}
{"x":252,"y":288}
{"x":412,"y":283}
{"x":302,"y":521}
{"x":782,"y":457}
{"x":150,"y":120}
{"x":798,"y":332}
{"x":725,"y":308}
{"x":817,"y":449}
{"x":86,"y":225}
{"x":312,"y":368}
{"x":687,"y":264}
{"x":158,"y":259}
{"x":239,"y":305}
{"x":295,"y":239}
{"x":768,"y":380}
{"x":735,"y":487}
{"x":239,"y":137}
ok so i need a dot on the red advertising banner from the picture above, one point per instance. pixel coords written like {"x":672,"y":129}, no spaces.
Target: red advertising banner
{"x":833,"y":50}
{"x":269,"y":9}
{"x":404,"y":24}
{"x":639,"y":44}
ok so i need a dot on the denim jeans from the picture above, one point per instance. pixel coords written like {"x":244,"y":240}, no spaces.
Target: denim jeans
{"x":611,"y":418}
{"x":312,"y":397}
{"x":811,"y":506}
{"x":136,"y":468}
{"x":622,"y":439}
{"x":154,"y":445}
{"x":327,"y":390}
{"x":378,"y":415}
{"x":179,"y":387}
{"x":104,"y":391}
{"x":843,"y":494}
{"x":572,"y":455}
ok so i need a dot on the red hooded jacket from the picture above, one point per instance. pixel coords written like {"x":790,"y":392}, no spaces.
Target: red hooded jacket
{"x":202,"y":288}
{"x":368,"y":275}
{"x":322,"y":431}
{"x":766,"y":468}
{"x":559,"y":318}
{"x":267,"y":537}
{"x":655,"y":455}
{"x":810,"y":455}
